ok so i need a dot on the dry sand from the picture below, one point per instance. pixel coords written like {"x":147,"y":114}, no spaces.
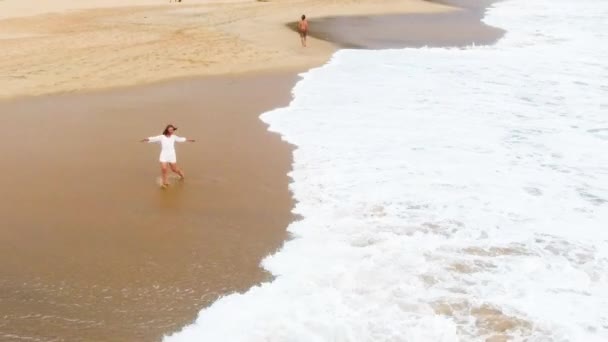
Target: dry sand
{"x":91,"y":249}
{"x":54,"y":50}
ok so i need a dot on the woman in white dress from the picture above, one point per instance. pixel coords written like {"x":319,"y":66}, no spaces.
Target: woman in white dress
{"x":168,"y":158}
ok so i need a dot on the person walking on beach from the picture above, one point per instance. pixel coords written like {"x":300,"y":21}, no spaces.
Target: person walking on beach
{"x":168,"y":158}
{"x":303,"y":29}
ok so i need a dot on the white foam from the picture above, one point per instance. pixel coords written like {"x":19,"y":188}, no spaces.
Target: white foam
{"x":447,"y":194}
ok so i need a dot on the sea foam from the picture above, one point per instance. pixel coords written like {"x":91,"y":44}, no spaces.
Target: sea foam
{"x":446,"y":194}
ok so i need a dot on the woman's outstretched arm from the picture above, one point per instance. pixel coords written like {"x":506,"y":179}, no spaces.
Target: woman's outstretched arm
{"x":152,"y":139}
{"x":182,"y":139}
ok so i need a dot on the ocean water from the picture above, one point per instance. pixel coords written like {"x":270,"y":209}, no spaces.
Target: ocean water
{"x":445,"y":194}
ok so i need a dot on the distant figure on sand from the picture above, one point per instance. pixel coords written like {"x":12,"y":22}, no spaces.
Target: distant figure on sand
{"x":168,"y":158}
{"x":303,"y":29}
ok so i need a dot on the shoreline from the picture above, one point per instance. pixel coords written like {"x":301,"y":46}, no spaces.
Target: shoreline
{"x":471,"y":14}
{"x":142,"y":108}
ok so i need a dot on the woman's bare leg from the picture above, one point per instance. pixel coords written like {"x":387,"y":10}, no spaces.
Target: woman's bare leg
{"x":163,"y":172}
{"x":177,"y":170}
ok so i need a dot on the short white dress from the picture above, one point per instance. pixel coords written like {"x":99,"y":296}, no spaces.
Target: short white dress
{"x":167,"y":143}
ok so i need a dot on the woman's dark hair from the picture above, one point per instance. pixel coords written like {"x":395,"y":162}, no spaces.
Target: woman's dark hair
{"x":303,"y":17}
{"x":166,"y":131}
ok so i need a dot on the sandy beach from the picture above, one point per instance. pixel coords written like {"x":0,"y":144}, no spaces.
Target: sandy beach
{"x":58,"y":50}
{"x":91,"y":248}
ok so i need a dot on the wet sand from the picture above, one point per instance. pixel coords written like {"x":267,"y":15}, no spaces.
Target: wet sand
{"x":93,"y":250}
{"x":446,"y":29}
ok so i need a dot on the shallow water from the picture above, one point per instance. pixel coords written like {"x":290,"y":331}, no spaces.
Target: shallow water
{"x":446,"y":194}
